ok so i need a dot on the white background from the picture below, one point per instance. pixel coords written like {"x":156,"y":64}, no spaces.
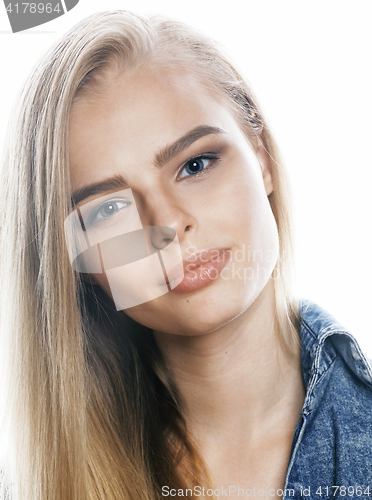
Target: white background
{"x":310,"y":67}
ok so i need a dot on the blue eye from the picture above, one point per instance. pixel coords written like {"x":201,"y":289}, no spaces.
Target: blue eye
{"x":194,"y":166}
{"x":106,"y":210}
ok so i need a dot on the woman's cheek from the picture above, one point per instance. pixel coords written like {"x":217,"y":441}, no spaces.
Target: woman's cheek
{"x":244,"y":215}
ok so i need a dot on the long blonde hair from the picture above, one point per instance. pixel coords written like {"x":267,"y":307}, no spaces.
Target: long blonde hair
{"x":90,"y":413}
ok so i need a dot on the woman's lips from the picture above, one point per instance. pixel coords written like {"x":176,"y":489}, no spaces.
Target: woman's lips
{"x":201,"y":268}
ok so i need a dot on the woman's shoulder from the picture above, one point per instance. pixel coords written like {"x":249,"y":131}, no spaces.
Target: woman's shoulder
{"x":327,"y":345}
{"x":338,"y":380}
{"x":333,"y":439}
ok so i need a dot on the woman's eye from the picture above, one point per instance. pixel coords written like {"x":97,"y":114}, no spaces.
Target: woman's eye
{"x":194,"y":166}
{"x":106,"y":210}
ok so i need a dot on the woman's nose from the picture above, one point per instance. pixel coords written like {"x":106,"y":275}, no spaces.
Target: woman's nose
{"x":161,"y":236}
{"x":164,"y":218}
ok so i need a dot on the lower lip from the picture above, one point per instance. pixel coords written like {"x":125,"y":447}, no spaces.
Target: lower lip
{"x":202,"y":275}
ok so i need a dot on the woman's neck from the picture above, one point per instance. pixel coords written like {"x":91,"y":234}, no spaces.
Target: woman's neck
{"x":236,"y":377}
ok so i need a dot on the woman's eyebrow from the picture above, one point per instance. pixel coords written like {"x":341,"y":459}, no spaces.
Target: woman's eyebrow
{"x":98,"y":187}
{"x":161,"y":159}
{"x":184,"y":142}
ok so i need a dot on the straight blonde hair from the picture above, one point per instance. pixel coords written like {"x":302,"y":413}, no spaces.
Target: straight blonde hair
{"x":91,"y":413}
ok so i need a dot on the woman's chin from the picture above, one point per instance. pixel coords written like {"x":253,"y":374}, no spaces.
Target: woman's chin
{"x":204,"y":311}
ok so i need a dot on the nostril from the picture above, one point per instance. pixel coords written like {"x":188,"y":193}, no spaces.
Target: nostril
{"x":187,"y":228}
{"x":160,"y":236}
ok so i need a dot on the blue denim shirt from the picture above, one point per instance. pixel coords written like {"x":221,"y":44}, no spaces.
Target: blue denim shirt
{"x":331,"y":453}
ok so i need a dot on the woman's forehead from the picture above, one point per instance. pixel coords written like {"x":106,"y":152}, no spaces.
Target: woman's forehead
{"x":113,"y":85}
{"x":140,"y":113}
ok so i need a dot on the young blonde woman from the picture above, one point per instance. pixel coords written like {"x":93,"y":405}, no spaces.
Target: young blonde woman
{"x":125,"y":378}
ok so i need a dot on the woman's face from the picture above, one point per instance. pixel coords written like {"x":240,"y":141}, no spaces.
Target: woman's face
{"x":211,"y":188}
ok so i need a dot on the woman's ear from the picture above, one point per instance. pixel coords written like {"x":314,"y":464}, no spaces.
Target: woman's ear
{"x":265,"y":162}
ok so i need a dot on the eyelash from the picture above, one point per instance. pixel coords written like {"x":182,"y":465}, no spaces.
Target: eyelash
{"x":92,"y":218}
{"x":206,"y":156}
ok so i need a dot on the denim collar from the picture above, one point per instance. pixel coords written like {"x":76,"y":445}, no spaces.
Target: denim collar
{"x":322,"y":339}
